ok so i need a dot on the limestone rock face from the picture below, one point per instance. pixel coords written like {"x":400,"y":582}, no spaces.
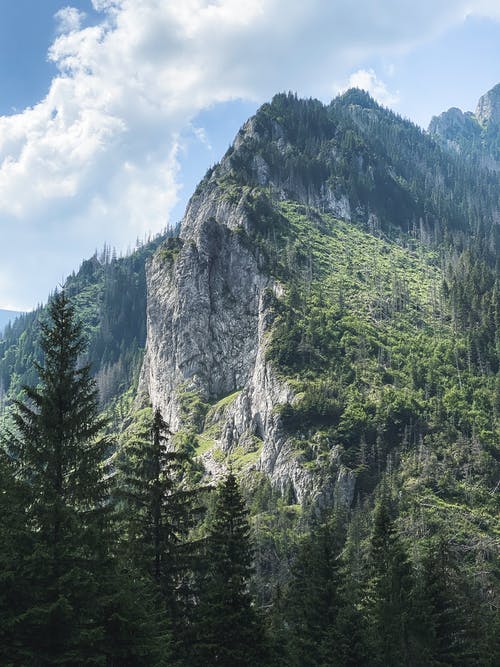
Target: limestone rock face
{"x":209,"y":318}
{"x":203,"y":310}
{"x":453,"y":125}
{"x":488,"y":108}
{"x":473,"y":135}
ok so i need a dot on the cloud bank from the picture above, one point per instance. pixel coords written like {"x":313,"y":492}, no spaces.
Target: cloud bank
{"x":96,"y":160}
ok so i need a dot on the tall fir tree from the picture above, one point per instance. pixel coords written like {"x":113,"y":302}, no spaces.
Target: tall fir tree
{"x":78,"y":610}
{"x":313,"y":597}
{"x":59,"y":454}
{"x":321,"y":623}
{"x":390,"y":590}
{"x":457,"y":625}
{"x":229,"y":630}
{"x":159,"y":507}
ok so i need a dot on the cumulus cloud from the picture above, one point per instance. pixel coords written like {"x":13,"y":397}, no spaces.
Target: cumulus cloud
{"x":69,"y":19}
{"x":96,"y":159}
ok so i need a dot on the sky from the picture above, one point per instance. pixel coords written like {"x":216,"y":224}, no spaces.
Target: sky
{"x":112,"y":110}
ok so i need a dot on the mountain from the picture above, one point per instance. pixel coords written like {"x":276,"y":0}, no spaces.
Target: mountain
{"x":325,"y":323}
{"x":307,"y":262}
{"x":474,"y":135}
{"x":109,"y":295}
{"x":316,"y":269}
{"x":7,"y":316}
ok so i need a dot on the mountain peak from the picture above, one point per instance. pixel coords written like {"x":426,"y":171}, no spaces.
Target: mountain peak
{"x":453,"y":124}
{"x":358,"y":97}
{"x":488,"y":107}
{"x":473,"y":135}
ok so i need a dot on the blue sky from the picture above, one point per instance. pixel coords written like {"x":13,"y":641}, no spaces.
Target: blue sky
{"x":112,"y":110}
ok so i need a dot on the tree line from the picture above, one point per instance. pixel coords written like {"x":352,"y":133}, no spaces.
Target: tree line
{"x":98,"y":559}
{"x":123,"y":556}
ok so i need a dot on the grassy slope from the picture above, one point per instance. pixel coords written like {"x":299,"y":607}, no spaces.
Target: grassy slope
{"x":365,"y":336}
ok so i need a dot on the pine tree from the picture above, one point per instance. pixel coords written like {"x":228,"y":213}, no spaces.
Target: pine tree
{"x":159,"y":508}
{"x":79,"y":609}
{"x":229,"y":632}
{"x":390,"y":587}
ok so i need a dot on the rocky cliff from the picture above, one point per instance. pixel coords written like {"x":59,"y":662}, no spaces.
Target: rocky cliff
{"x":209,"y":317}
{"x":488,"y":107}
{"x":306,"y":199}
{"x":473,"y":135}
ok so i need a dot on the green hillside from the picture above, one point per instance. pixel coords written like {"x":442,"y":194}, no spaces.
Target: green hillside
{"x":109,"y":295}
{"x":378,"y":251}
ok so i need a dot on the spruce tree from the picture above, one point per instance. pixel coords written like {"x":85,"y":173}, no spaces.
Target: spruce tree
{"x":390,"y":588}
{"x":457,"y":625}
{"x":59,"y":456}
{"x":159,"y":508}
{"x":229,"y":631}
{"x":313,"y":597}
{"x":78,"y":608}
{"x":321,"y":619}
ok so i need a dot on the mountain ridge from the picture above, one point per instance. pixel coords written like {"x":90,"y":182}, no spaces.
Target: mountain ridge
{"x":474,"y":135}
{"x":232,"y":237}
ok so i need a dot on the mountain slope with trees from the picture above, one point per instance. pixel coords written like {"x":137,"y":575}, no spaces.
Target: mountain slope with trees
{"x":321,"y":345}
{"x":109,"y":295}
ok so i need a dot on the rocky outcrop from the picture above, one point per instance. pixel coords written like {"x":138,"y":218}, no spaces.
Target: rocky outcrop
{"x":453,"y":126}
{"x":473,"y":135}
{"x":203,"y":309}
{"x":488,"y":108}
{"x":209,"y":317}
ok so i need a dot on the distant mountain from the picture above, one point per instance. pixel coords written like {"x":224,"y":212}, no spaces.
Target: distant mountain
{"x":109,"y":295}
{"x":476,"y":136}
{"x":7,"y":316}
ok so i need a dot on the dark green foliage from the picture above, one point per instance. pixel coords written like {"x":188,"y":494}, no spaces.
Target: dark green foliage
{"x":159,"y":507}
{"x":58,"y":454}
{"x":456,"y":624}
{"x":315,"y":613}
{"x":389,"y":592}
{"x":73,"y":607}
{"x":229,"y":630}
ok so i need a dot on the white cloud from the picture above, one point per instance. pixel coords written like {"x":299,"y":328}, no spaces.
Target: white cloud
{"x":69,"y":19}
{"x":366,"y":79}
{"x":96,"y":160}
{"x":201,"y":135}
